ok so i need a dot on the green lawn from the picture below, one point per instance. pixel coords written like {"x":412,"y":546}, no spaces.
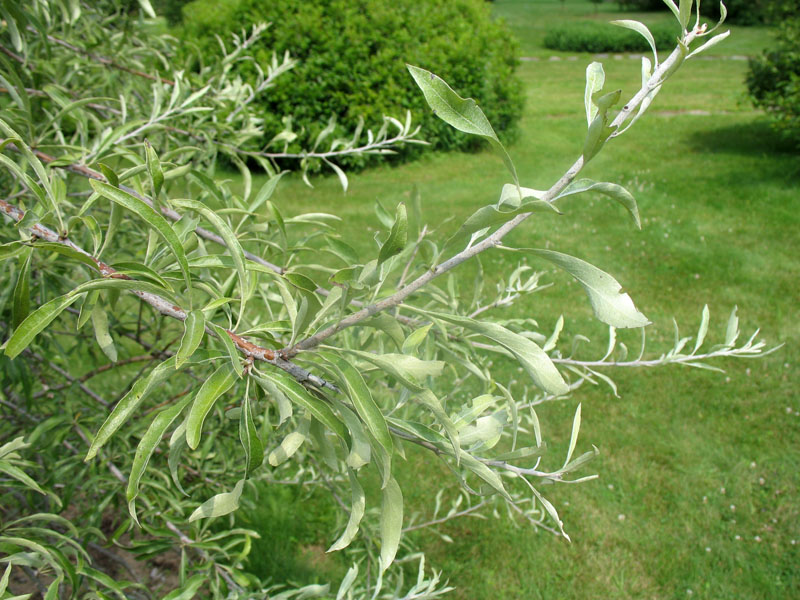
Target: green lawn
{"x":699,"y":471}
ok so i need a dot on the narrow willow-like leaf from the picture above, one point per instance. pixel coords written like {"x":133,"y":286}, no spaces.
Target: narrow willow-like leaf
{"x":230,"y":348}
{"x":364,"y":403}
{"x":266,"y":191}
{"x":642,"y":30}
{"x":573,"y":440}
{"x":674,"y":8}
{"x":530,"y":356}
{"x":429,"y":399}
{"x":101,"y":334}
{"x":193,"y":332}
{"x":111,"y":283}
{"x":231,"y":241}
{"x":685,"y":12}
{"x":611,"y":305}
{"x":701,"y":333}
{"x":412,"y":342}
{"x":154,"y":168}
{"x":460,"y":113}
{"x":491,"y":216}
{"x":147,"y":446}
{"x":289,"y":445}
{"x":391,"y":522}
{"x":357,"y":507}
{"x":21,"y":305}
{"x":347,"y":582}
{"x":709,"y":44}
{"x":360,"y":450}
{"x":151,"y":217}
{"x":189,"y":588}
{"x":219,"y":505}
{"x":215,"y":386}
{"x":301,"y":396}
{"x":16,"y":473}
{"x":129,"y":403}
{"x":398,"y":236}
{"x":409,"y":370}
{"x":612,"y":190}
{"x":248,"y":435}
{"x":732,"y":330}
{"x":595,"y":80}
{"x":35,"y":322}
{"x":485,"y":473}
{"x":599,"y":131}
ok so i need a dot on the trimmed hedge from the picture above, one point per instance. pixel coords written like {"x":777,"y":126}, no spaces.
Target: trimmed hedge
{"x":589,"y":36}
{"x":352,"y":60}
{"x":740,"y":12}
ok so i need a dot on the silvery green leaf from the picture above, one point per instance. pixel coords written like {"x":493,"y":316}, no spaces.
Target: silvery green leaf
{"x":732,"y":331}
{"x":101,"y":334}
{"x":347,"y":582}
{"x":360,"y":450}
{"x":357,"y":507}
{"x":253,"y":448}
{"x":154,"y":168}
{"x":611,"y":305}
{"x":398,"y":236}
{"x":701,"y":333}
{"x":300,"y":395}
{"x":462,"y":114}
{"x":215,"y":386}
{"x":231,"y":241}
{"x":486,"y":431}
{"x":151,"y":217}
{"x":551,"y":342}
{"x":194,"y":328}
{"x":612,"y":190}
{"x":551,"y":510}
{"x":709,"y":44}
{"x":674,"y":8}
{"x":35,"y":322}
{"x":219,"y":505}
{"x":289,"y":445}
{"x":391,"y":522}
{"x":530,"y":356}
{"x":409,"y":370}
{"x":147,"y":446}
{"x":573,"y":439}
{"x":642,"y":30}
{"x":485,"y":473}
{"x":339,"y":173}
{"x":189,"y":589}
{"x":429,"y":399}
{"x":266,"y":191}
{"x":512,"y":196}
{"x":490,"y":216}
{"x":595,"y":79}
{"x":685,"y":12}
{"x":365,"y":405}
{"x":415,"y":338}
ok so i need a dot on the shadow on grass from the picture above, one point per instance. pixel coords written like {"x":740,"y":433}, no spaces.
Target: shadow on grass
{"x":756,"y":139}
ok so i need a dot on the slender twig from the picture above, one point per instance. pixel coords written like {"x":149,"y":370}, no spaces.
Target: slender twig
{"x":494,"y":239}
{"x":441,"y":520}
{"x":167,"y":308}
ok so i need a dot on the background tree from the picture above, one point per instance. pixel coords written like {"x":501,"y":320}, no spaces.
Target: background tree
{"x":233,"y":343}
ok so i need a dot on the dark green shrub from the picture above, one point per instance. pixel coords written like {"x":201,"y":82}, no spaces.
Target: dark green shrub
{"x":740,"y":12}
{"x":352,"y":59}
{"x":589,"y":36}
{"x":774,"y":77}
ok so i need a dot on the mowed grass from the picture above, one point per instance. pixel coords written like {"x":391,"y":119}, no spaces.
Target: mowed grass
{"x":699,"y":471}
